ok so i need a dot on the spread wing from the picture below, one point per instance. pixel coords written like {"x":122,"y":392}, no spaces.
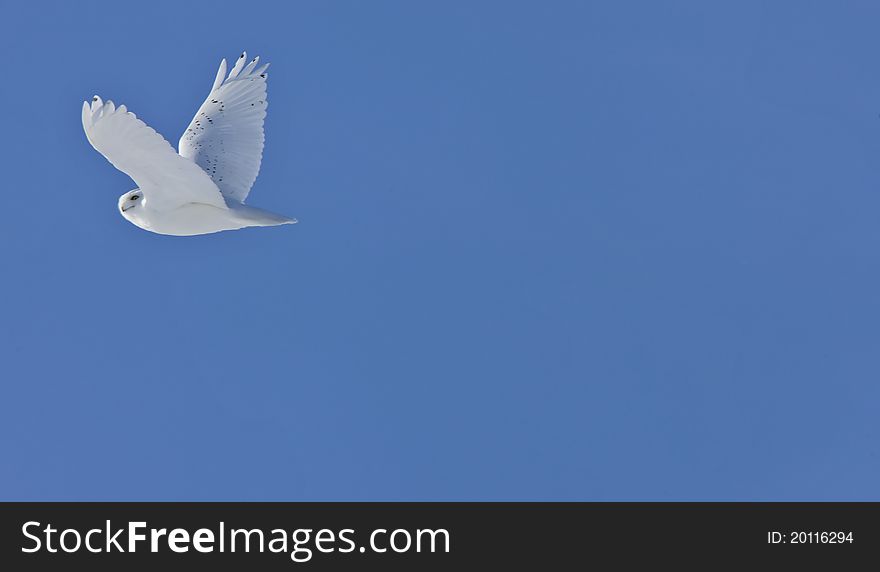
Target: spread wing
{"x":225,"y":138}
{"x":166,"y":179}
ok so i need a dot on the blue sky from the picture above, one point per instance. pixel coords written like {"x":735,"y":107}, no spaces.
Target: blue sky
{"x":565,"y":251}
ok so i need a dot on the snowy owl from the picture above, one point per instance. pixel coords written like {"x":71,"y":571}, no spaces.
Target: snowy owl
{"x":202,"y":188}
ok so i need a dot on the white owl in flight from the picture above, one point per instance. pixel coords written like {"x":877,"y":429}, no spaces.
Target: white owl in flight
{"x":202,"y":188}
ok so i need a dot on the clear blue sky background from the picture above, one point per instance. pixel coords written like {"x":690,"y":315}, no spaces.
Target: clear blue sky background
{"x":592,"y":251}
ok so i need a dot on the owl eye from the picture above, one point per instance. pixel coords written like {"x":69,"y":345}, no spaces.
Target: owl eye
{"x":135,"y":197}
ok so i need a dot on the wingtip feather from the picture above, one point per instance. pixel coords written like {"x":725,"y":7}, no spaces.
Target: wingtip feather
{"x":221,"y":74}
{"x":239,"y":64}
{"x":249,"y":68}
{"x":86,"y":114}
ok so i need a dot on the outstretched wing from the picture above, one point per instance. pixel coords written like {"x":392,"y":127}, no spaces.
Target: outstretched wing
{"x":225,"y":137}
{"x":166,"y":179}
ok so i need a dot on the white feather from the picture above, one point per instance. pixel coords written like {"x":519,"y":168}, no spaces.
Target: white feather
{"x":225,"y":138}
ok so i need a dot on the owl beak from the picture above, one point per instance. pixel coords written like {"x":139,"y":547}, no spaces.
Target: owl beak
{"x":125,"y":209}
